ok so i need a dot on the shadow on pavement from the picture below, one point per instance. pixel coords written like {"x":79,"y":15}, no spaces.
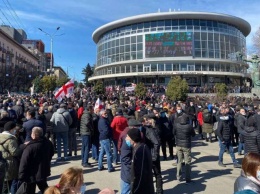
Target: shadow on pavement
{"x":198,"y":184}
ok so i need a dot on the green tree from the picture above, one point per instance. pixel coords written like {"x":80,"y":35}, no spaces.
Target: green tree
{"x":37,"y":84}
{"x":60,"y":82}
{"x":48,"y":83}
{"x":222,"y":91}
{"x":99,"y":87}
{"x":177,"y":89}
{"x":87,"y":72}
{"x":140,"y":90}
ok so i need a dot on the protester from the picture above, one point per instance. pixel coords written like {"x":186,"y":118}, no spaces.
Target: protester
{"x":183,"y":131}
{"x":11,"y":153}
{"x":35,"y":162}
{"x":250,"y":174}
{"x":141,"y":171}
{"x":105,"y":136}
{"x":61,"y":120}
{"x":86,"y":131}
{"x":118,"y":124}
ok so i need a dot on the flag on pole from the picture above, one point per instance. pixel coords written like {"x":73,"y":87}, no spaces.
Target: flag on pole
{"x":66,"y":90}
{"x":98,"y":104}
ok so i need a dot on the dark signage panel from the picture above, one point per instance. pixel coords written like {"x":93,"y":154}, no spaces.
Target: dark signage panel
{"x":172,"y":44}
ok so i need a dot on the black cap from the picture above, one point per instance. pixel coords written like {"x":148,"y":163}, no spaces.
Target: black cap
{"x":119,"y":112}
{"x":9,"y":125}
{"x":134,"y":134}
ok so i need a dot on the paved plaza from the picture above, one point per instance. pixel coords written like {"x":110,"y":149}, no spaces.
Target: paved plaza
{"x":208,"y":177}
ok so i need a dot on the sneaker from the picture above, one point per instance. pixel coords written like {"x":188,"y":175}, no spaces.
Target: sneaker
{"x":58,"y":159}
{"x":189,"y":182}
{"x":236,"y":165}
{"x":66,"y":158}
{"x":87,"y":165}
{"x":69,"y":155}
{"x":221,"y":164}
{"x":111,"y":170}
{"x":102,"y":168}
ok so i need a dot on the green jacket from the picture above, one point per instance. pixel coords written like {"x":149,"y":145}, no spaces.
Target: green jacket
{"x":11,"y":152}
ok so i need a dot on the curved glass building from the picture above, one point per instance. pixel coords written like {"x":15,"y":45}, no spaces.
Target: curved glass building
{"x":203,"y":48}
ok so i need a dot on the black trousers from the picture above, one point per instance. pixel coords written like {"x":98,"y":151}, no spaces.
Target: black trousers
{"x":158,"y":176}
{"x":42,"y":185}
{"x":170,"y":145}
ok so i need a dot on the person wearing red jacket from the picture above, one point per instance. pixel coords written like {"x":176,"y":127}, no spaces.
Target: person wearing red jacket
{"x":118,"y":124}
{"x":200,"y":121}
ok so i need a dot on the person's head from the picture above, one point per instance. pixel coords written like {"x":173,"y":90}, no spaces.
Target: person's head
{"x":251,"y":165}
{"x":4,"y":114}
{"x":242,"y":111}
{"x":178,"y":108}
{"x":10,"y":126}
{"x":37,"y":133}
{"x":30,"y":113}
{"x":50,"y":108}
{"x":70,"y":182}
{"x":103,"y":113}
{"x":133,"y":137}
{"x":63,"y":105}
{"x":107,"y":191}
{"x":90,"y":108}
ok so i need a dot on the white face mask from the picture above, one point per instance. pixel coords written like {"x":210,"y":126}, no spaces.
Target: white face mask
{"x":179,"y":111}
{"x":258,"y":175}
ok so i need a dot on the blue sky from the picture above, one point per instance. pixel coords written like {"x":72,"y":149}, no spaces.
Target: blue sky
{"x":79,"y":19}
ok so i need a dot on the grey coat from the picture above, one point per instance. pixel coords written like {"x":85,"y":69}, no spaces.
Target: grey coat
{"x":61,"y":120}
{"x":246,"y":183}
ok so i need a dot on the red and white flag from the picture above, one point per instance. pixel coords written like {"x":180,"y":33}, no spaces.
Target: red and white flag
{"x":66,"y":90}
{"x":98,"y":104}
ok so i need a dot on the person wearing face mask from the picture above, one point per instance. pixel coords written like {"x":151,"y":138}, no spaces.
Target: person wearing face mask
{"x":10,"y":150}
{"x":224,"y":133}
{"x":125,"y":149}
{"x":250,"y":174}
{"x":141,"y":167}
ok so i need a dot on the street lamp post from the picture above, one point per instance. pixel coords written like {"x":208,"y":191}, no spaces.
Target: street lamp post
{"x":51,"y":36}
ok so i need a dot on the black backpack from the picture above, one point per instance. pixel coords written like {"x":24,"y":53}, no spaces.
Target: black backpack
{"x":206,"y":117}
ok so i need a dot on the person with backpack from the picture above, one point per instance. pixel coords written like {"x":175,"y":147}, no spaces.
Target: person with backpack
{"x":207,"y":124}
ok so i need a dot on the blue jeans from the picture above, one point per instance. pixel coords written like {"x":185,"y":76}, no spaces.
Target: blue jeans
{"x":240,"y":147}
{"x":95,"y":149}
{"x":85,"y":147}
{"x":64,"y":137}
{"x":125,"y":187}
{"x":105,"y":149}
{"x":223,"y":147}
{"x":115,"y":153}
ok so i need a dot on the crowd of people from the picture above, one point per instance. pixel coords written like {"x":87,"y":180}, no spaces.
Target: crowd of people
{"x":131,"y":132}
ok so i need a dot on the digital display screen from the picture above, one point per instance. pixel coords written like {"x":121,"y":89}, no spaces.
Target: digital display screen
{"x":171,"y":44}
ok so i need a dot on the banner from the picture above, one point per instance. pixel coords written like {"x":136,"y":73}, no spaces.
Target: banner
{"x":129,"y":89}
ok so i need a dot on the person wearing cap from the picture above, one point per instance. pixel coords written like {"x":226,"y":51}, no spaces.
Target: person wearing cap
{"x":61,"y":121}
{"x":141,"y":167}
{"x":118,"y":124}
{"x":126,"y":157}
{"x":10,"y":151}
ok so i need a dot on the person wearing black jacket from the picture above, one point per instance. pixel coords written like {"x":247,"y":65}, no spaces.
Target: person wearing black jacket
{"x":35,"y":162}
{"x":183,"y":132}
{"x":49,"y":127}
{"x":86,"y":131}
{"x":141,"y":171}
{"x":72,"y":140}
{"x":152,"y":140}
{"x":224,"y":133}
{"x":250,"y":136}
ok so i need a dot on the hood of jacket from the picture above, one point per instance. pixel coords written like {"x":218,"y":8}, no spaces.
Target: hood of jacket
{"x":61,"y":110}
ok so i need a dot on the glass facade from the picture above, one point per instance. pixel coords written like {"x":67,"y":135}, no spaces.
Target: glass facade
{"x":212,"y":39}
